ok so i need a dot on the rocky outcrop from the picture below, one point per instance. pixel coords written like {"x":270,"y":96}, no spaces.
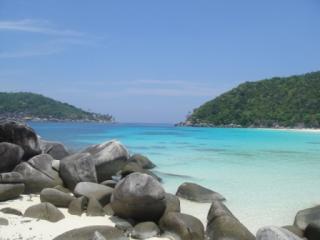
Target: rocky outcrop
{"x":22,"y":135}
{"x":197,"y":193}
{"x":143,"y":161}
{"x":307,"y":216}
{"x":86,"y":233}
{"x":183,"y":226}
{"x":55,"y":149}
{"x":11,"y":155}
{"x":145,"y":230}
{"x":44,"y":211}
{"x":77,"y":168}
{"x":275,"y":233}
{"x":109,"y":158}
{"x":100,"y":192}
{"x":56,"y":197}
{"x":139,"y":196}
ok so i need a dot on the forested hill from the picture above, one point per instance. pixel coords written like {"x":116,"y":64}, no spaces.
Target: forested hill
{"x":278,"y":102}
{"x":30,"y":106}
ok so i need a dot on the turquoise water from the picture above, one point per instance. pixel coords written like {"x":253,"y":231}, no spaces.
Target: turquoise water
{"x":265,"y":175}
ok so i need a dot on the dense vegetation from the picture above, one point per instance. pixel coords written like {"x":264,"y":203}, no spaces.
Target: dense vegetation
{"x":278,"y":102}
{"x":32,"y":106}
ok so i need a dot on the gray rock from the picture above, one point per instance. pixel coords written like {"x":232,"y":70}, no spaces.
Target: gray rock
{"x":55,"y":149}
{"x":100,"y":192}
{"x":43,"y":163}
{"x":197,"y":193}
{"x":218,"y":209}
{"x":86,"y":233}
{"x":44,"y":211}
{"x":11,"y":155}
{"x":275,"y":233}
{"x":307,"y":216}
{"x":140,"y":197}
{"x":132,"y":167}
{"x":312,"y":232}
{"x":145,"y":230}
{"x":22,"y":135}
{"x":56,"y":197}
{"x":4,"y":222}
{"x":10,"y":191}
{"x":94,"y":208}
{"x":109,"y":158}
{"x":11,"y":177}
{"x":77,"y":168}
{"x":295,"y":230}
{"x":62,"y":189}
{"x":11,"y":211}
{"x":142,"y":161}
{"x":109,"y":183}
{"x":108,"y":210}
{"x":77,"y":206}
{"x":125,"y":226}
{"x":172,"y":203}
{"x":182,"y":226}
{"x":98,"y":236}
{"x":56,"y":165}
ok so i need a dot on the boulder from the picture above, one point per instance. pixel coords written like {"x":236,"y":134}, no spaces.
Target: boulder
{"x":100,"y":192}
{"x":11,"y":211}
{"x":36,"y":179}
{"x":221,"y":224}
{"x":62,"y":189}
{"x":86,"y":233}
{"x":22,"y":135}
{"x":108,"y":210}
{"x":10,"y":191}
{"x":140,"y":197}
{"x":142,"y":161}
{"x":172,"y":203}
{"x":312,"y":232}
{"x":94,"y":208}
{"x":275,"y":233}
{"x":197,"y":193}
{"x":307,"y":216}
{"x":132,"y":167}
{"x":125,"y":226}
{"x":97,"y":236}
{"x":4,"y":222}
{"x":182,"y":226}
{"x":109,"y":158}
{"x":56,"y":197}
{"x":77,"y":168}
{"x":77,"y":206}
{"x":44,"y":211}
{"x":145,"y":230}
{"x":11,"y":177}
{"x":56,"y":165}
{"x":55,"y":149}
{"x":43,"y":163}
{"x":295,"y":230}
{"x":109,"y":183}
{"x":11,"y":155}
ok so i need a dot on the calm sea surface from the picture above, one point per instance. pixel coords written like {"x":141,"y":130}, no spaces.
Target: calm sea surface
{"x":265,"y":175}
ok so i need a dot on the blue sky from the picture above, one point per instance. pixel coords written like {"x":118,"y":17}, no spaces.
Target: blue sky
{"x":152,"y":61}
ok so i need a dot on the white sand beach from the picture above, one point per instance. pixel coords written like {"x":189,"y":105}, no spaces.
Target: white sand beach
{"x":27,"y":228}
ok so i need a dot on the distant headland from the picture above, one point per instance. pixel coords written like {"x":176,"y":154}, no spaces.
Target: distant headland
{"x":35,"y":107}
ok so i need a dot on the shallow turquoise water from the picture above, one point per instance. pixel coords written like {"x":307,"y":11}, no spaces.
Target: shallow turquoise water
{"x":265,"y":175}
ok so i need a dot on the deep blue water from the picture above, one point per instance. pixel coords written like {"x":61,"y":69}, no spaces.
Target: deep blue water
{"x":265,"y":175}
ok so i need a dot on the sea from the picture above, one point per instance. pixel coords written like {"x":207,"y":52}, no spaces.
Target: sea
{"x":265,"y":175}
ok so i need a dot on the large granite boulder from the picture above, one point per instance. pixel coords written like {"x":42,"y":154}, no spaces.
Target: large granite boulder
{"x":109,"y":158}
{"x":56,"y":197}
{"x":145,"y":230}
{"x":142,"y":161}
{"x":197,"y":193}
{"x":172,"y":203}
{"x":140,"y":197}
{"x":55,"y":149}
{"x":276,"y":233}
{"x":11,"y":177}
{"x":94,"y":208}
{"x":77,"y":206}
{"x":10,"y":156}
{"x":38,"y":174}
{"x":183,"y":226}
{"x":132,"y":167}
{"x":221,"y":224}
{"x":44,"y":211}
{"x":10,"y":190}
{"x":307,"y":216}
{"x":100,"y":192}
{"x":22,"y":135}
{"x":312,"y":232}
{"x":86,"y":233}
{"x":77,"y":168}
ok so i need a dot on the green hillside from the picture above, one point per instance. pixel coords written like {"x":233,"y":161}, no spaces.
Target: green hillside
{"x":278,"y":102}
{"x":31,"y":106}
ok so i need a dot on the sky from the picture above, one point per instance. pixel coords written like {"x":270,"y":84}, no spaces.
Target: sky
{"x":152,"y":61}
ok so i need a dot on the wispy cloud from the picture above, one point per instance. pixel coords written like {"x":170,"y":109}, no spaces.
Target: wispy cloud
{"x":36,"y":26}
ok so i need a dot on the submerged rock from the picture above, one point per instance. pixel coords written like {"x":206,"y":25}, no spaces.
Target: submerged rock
{"x":10,"y":191}
{"x":145,"y":230}
{"x":11,"y":155}
{"x":183,"y":226}
{"x":276,"y":233}
{"x":100,"y":192}
{"x":197,"y":193}
{"x":140,"y":197}
{"x":307,"y":216}
{"x":142,"y":161}
{"x":56,"y":197}
{"x":44,"y":211}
